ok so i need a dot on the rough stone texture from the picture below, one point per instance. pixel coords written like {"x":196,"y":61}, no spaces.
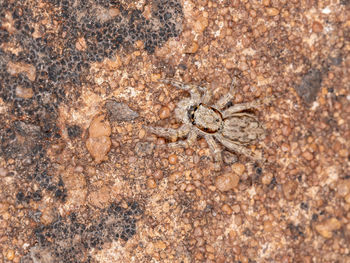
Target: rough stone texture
{"x":62,"y":62}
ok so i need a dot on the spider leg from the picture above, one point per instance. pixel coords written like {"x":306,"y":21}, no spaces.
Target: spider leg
{"x":227,"y":114}
{"x":192,"y":136}
{"x":221,"y":103}
{"x":207,"y":95}
{"x":238,"y":148}
{"x":214,"y":148}
{"x":192,"y":89}
{"x":172,"y":134}
{"x":240,"y":107}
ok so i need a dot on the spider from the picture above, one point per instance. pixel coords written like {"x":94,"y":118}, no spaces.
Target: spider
{"x":232,"y":126}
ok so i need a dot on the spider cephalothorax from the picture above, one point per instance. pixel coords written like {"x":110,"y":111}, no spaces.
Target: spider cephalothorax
{"x":232,"y":126}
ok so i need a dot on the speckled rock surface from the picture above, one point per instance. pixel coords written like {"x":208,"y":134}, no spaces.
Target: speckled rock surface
{"x":83,"y":181}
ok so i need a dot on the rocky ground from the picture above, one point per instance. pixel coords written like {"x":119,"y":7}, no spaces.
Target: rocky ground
{"x":83,"y":181}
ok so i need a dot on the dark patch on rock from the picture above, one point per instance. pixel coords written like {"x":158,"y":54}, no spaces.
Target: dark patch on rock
{"x":74,"y":131}
{"x":69,"y":239}
{"x":310,"y":85}
{"x":119,"y":111}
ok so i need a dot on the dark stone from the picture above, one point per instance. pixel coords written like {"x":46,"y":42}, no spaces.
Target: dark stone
{"x":119,"y":111}
{"x":310,"y":85}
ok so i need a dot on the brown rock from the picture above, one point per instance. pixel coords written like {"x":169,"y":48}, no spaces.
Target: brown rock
{"x":164,"y":112}
{"x":172,"y":159}
{"x":343,"y":188}
{"x":99,"y":147}
{"x":21,"y":67}
{"x":308,"y":156}
{"x":238,"y":168}
{"x":151,"y":183}
{"x":227,"y":182}
{"x":99,"y":127}
{"x":271,"y":11}
{"x":227,"y":209}
{"x":317,"y":27}
{"x":290,"y":190}
{"x":326,"y":227}
{"x":24,"y":93}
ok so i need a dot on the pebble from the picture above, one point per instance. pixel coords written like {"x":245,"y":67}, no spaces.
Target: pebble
{"x":327,"y":227}
{"x":267,"y":178}
{"x":158,"y":174}
{"x":192,"y":48}
{"x":119,"y":111}
{"x":290,"y":190}
{"x":164,"y":112}
{"x":21,"y":67}
{"x":343,"y":188}
{"x":172,"y":159}
{"x":227,"y":182}
{"x":142,"y":133}
{"x":24,"y":93}
{"x":317,"y":27}
{"x":271,"y":11}
{"x":10,"y":255}
{"x":238,"y":168}
{"x":227,"y":209}
{"x":307,"y":155}
{"x":99,"y":147}
{"x":151,"y":183}
{"x":99,"y":127}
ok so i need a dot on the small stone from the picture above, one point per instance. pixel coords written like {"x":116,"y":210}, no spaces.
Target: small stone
{"x":21,"y":67}
{"x":198,"y":232}
{"x":99,"y":147}
{"x":99,"y":127}
{"x":326,"y":227}
{"x":164,"y":112}
{"x":158,"y":174}
{"x":192,"y":48}
{"x":3,"y":172}
{"x":267,"y":178}
{"x":310,"y":85}
{"x":227,"y":182}
{"x":227,"y":209}
{"x":80,"y":44}
{"x":189,"y":188}
{"x":201,"y":24}
{"x":119,"y":111}
{"x":10,"y":255}
{"x":24,"y":93}
{"x":271,"y":11}
{"x":343,"y":188}
{"x":142,"y":133}
{"x":172,"y":159}
{"x":160,"y":245}
{"x":290,"y":190}
{"x":268,"y":227}
{"x":317,"y":27}
{"x":266,"y":2}
{"x":151,"y":183}
{"x":238,"y":168}
{"x":308,"y":156}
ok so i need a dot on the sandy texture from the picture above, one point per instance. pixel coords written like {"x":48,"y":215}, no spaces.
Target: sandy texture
{"x":83,"y":181}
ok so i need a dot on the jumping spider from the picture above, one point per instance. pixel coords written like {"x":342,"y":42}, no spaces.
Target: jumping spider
{"x":232,"y":126}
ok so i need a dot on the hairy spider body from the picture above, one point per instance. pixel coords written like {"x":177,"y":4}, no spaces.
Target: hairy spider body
{"x":232,"y":126}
